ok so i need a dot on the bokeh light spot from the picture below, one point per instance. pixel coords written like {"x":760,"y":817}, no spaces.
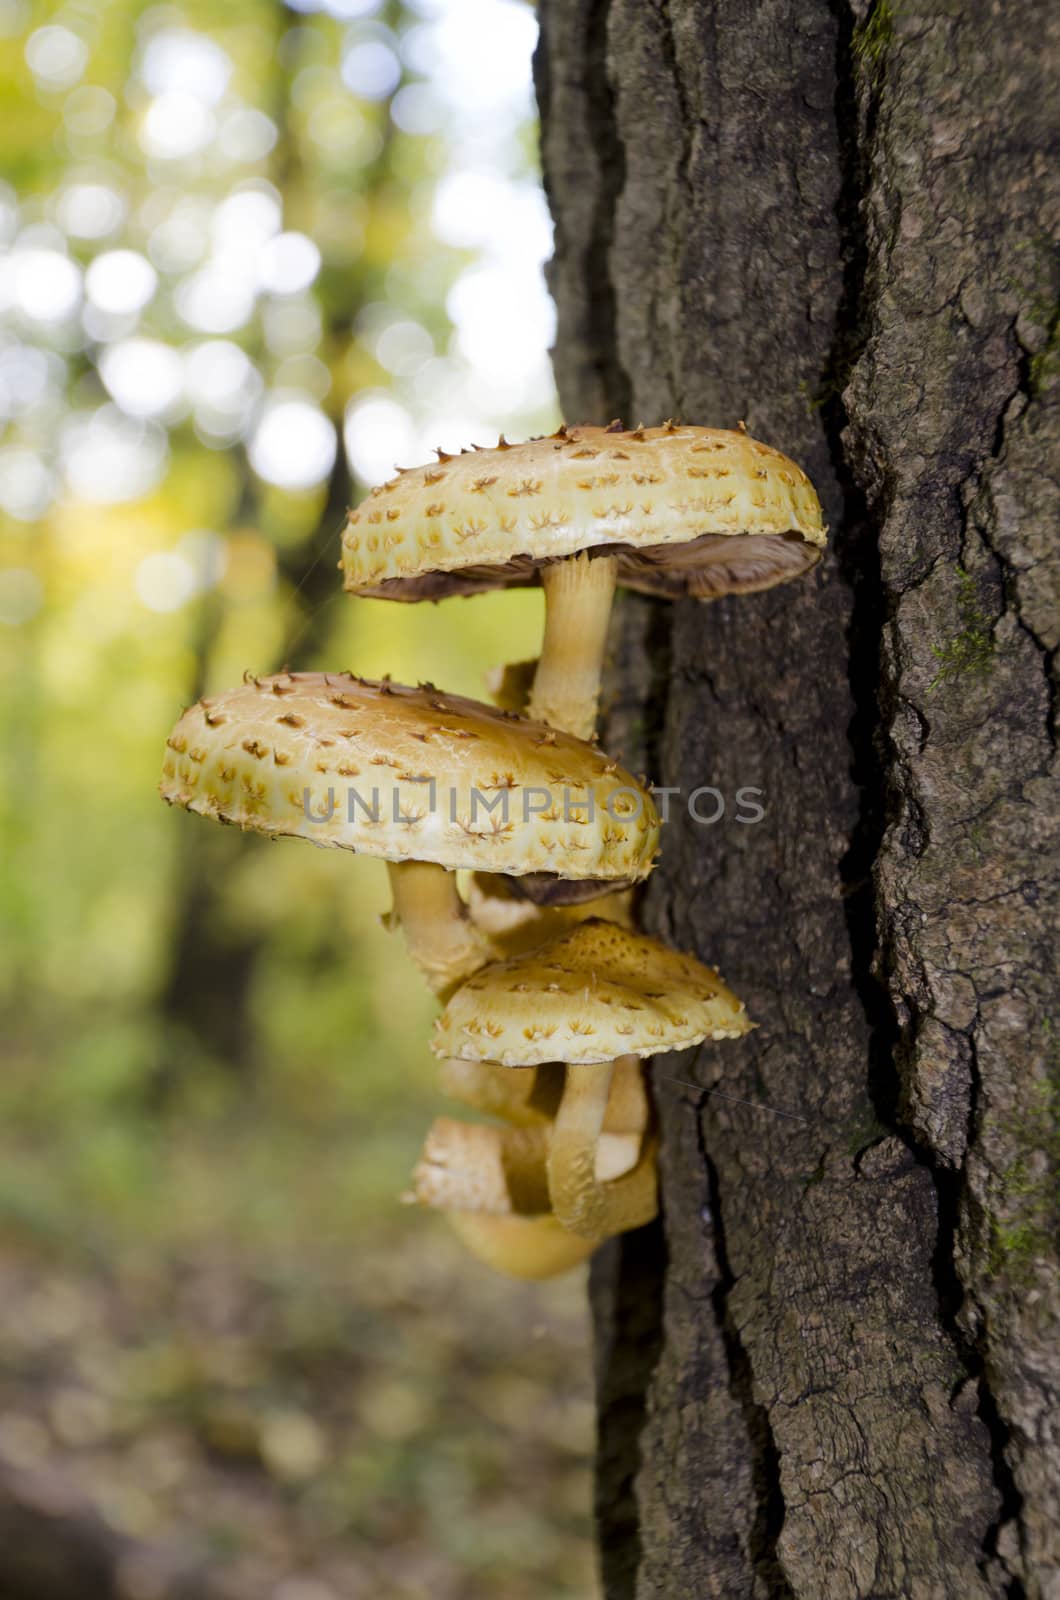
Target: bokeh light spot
{"x":56,"y":56}
{"x":165,"y":581}
{"x":289,"y":263}
{"x":120,"y":282}
{"x":293,"y":445}
{"x":176,"y":126}
{"x":90,"y":210}
{"x":47,"y":284}
{"x":380,"y":435}
{"x":144,"y":376}
{"x":109,"y":458}
{"x":26,"y":485}
{"x":180,"y":61}
{"x":371,"y":69}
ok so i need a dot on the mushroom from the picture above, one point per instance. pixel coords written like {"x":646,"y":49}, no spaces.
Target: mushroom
{"x":476,"y":1171}
{"x":478,"y":1166}
{"x":410,"y":775}
{"x":599,"y":996}
{"x":522,"y":1247}
{"x":671,"y":511}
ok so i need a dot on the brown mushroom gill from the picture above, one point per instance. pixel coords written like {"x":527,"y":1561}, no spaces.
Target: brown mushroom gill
{"x":706,"y":568}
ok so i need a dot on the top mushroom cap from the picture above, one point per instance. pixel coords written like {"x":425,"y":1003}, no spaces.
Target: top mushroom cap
{"x":685,"y":510}
{"x":277,"y":753}
{"x":599,"y":992}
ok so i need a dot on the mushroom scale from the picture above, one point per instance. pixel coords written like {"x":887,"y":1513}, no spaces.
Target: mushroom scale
{"x":597,"y":993}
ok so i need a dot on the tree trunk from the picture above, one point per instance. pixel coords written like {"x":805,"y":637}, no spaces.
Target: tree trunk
{"x":833,"y":1368}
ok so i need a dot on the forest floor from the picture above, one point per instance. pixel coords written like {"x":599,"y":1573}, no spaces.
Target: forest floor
{"x":290,"y":1414}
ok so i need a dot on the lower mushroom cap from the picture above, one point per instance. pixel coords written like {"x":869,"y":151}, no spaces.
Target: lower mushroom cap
{"x":479,"y":1166}
{"x":595,"y":994}
{"x":521,"y":1247}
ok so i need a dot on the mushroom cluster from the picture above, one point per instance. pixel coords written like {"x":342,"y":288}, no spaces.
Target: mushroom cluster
{"x":550,"y":998}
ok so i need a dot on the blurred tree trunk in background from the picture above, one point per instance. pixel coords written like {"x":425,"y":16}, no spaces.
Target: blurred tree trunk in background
{"x":206,"y":999}
{"x":834,"y":1369}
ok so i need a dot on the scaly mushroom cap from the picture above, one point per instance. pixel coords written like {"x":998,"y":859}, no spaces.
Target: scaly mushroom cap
{"x":276,"y":754}
{"x":686,"y":511}
{"x":599,"y":992}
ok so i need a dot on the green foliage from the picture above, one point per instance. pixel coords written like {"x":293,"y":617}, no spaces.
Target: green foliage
{"x":970,"y":653}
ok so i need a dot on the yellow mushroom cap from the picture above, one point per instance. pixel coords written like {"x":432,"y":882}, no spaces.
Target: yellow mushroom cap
{"x":345,"y":762}
{"x":597,"y":993}
{"x":522,"y":1247}
{"x":685,"y":511}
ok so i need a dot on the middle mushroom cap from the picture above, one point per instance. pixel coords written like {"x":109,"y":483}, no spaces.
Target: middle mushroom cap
{"x":410,"y":774}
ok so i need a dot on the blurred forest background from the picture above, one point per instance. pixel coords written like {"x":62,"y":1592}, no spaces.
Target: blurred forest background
{"x":251,"y":256}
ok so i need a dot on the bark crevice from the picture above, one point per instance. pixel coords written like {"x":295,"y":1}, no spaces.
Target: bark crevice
{"x":768,"y":1493}
{"x":626,"y":1293}
{"x":856,"y":545}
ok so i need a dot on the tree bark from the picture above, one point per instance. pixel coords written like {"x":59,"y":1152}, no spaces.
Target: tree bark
{"x":833,"y":1369}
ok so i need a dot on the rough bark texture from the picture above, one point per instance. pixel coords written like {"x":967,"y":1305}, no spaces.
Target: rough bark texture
{"x":834,"y":1370}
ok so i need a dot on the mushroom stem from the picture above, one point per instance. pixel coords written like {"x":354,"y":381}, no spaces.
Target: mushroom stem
{"x":580,"y":1201}
{"x":578,"y":596}
{"x":441,"y":938}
